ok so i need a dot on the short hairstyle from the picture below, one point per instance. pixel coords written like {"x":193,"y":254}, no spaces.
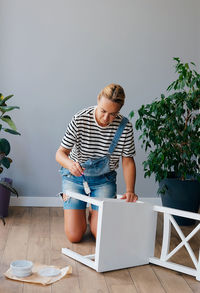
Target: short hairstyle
{"x":113,"y":92}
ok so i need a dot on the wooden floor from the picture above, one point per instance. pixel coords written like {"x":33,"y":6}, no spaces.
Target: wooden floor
{"x":37,"y":234}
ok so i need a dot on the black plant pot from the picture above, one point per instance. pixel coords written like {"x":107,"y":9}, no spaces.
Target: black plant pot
{"x":4,"y":197}
{"x":182,"y":195}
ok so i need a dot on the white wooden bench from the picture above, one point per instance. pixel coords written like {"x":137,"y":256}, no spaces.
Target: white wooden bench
{"x":126,"y":236}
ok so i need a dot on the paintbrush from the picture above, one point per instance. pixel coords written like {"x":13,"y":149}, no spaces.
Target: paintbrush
{"x":85,"y":185}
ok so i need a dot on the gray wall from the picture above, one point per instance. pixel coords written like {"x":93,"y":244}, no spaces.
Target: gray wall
{"x":55,"y":56}
{"x":198,"y":31}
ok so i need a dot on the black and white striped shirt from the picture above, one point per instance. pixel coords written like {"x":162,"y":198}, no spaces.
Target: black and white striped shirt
{"x":87,"y":139}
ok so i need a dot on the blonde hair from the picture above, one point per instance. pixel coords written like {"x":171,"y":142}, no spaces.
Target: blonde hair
{"x":113,"y":92}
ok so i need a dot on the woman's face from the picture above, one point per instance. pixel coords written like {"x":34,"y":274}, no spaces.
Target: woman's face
{"x":106,"y":111}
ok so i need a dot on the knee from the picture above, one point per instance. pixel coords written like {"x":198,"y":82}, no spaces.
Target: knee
{"x":74,"y":236}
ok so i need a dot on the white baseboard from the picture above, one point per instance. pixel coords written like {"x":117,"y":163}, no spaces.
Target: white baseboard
{"x":35,"y":201}
{"x":39,"y":201}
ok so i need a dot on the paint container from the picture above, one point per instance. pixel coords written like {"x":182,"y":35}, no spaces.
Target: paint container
{"x":21,"y":268}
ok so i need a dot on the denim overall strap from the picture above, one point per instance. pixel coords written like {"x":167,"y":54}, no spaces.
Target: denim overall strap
{"x":117,"y":135}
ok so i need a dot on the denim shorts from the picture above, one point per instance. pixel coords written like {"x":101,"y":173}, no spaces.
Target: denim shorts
{"x":103,"y":186}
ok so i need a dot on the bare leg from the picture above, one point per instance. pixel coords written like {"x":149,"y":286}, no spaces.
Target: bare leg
{"x":93,"y":222}
{"x":75,"y":224}
{"x":90,"y":214}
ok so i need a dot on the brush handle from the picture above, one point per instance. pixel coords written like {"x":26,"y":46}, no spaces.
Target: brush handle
{"x":84,"y":177}
{"x":85,"y":185}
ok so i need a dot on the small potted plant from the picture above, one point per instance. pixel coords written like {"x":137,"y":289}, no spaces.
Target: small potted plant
{"x":170,"y":133}
{"x":6,"y":183}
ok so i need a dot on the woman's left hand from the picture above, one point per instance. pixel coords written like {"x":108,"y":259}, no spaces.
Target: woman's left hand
{"x":130,"y":197}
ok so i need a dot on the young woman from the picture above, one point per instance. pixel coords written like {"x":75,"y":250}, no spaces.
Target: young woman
{"x":93,"y":143}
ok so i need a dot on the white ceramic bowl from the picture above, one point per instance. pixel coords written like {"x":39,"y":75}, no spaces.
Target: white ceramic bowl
{"x":21,"y":268}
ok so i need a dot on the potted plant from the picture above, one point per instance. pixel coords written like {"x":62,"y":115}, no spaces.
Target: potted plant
{"x":6,"y":183}
{"x":170,"y":133}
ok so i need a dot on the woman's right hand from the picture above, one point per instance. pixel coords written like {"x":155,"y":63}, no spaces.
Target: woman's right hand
{"x":75,"y":168}
{"x":63,"y":159}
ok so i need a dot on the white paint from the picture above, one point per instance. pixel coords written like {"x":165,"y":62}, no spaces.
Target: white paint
{"x":119,"y":242}
{"x":173,"y":266}
{"x":126,"y":236}
{"x":198,"y":269}
{"x":45,"y":201}
{"x":176,"y":212}
{"x":168,"y":220}
{"x":184,"y":242}
{"x":166,"y":237}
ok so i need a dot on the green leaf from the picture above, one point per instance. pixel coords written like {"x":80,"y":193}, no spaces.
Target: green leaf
{"x":176,"y":59}
{"x":11,"y":131}
{"x":8,"y":120}
{"x":8,"y":108}
{"x":162,"y":189}
{"x":5,"y":99}
{"x":4,"y":146}
{"x":131,"y":114}
{"x":5,"y":162}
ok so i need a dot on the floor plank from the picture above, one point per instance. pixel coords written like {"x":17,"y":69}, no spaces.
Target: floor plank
{"x":119,"y":281}
{"x":141,"y":273}
{"x":171,"y":281}
{"x":58,"y":241}
{"x":90,"y":281}
{"x":192,"y":283}
{"x":4,"y":231}
{"x":38,"y":234}
{"x":39,"y":246}
{"x":16,"y":247}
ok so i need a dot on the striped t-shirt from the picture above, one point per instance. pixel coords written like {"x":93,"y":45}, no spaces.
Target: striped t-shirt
{"x":87,"y":139}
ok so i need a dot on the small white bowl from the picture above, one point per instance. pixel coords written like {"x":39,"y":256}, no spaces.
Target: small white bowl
{"x":49,"y":272}
{"x":21,"y":268}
